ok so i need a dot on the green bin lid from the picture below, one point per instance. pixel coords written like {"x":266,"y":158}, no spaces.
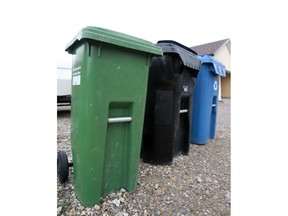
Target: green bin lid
{"x":113,"y":37}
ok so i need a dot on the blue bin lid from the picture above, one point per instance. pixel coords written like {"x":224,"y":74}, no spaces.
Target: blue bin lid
{"x":187,"y":55}
{"x":219,"y":68}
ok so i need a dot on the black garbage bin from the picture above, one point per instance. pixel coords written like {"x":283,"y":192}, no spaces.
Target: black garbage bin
{"x":169,"y":100}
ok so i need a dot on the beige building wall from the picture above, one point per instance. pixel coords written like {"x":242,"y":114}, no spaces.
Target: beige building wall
{"x":223,"y":55}
{"x":226,"y":86}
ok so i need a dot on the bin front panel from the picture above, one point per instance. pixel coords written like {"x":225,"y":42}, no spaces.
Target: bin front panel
{"x":108,"y":82}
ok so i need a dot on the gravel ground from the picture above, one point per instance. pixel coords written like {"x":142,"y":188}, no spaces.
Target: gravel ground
{"x":197,"y":184}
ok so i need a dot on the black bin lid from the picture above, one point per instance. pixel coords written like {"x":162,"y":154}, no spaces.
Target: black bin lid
{"x":187,"y":55}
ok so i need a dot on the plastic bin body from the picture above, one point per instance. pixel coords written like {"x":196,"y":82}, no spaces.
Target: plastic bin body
{"x":109,"y":83}
{"x":168,"y":105}
{"x":205,"y":102}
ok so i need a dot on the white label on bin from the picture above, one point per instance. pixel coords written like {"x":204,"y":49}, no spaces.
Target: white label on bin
{"x":185,"y":88}
{"x":215,"y":86}
{"x":76,"y":77}
{"x":77,"y":68}
{"x":76,"y":80}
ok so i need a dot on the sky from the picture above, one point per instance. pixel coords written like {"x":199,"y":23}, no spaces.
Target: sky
{"x":187,"y":22}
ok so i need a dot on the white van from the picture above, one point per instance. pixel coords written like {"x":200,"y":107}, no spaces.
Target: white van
{"x":64,"y":74}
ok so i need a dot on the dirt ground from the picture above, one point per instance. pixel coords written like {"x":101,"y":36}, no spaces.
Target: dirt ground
{"x":196,"y":184}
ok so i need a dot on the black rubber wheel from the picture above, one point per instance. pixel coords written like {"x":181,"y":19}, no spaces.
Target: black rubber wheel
{"x":62,"y":167}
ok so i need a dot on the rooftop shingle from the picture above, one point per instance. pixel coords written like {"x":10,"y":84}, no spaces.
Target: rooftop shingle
{"x":209,"y":48}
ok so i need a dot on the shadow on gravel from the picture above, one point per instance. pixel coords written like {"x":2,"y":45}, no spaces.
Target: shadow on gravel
{"x":63,"y":112}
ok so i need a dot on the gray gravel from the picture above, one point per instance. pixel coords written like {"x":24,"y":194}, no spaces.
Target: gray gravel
{"x":197,"y":184}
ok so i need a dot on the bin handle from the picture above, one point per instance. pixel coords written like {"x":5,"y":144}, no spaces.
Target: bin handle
{"x":183,"y":111}
{"x":213,"y":105}
{"x":119,"y":119}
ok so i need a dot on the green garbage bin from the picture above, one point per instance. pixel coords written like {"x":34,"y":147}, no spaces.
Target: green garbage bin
{"x":109,"y":84}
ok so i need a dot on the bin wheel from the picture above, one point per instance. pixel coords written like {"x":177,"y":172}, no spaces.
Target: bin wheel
{"x":62,"y":167}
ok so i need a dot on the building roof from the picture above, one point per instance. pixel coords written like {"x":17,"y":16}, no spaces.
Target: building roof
{"x":210,"y":48}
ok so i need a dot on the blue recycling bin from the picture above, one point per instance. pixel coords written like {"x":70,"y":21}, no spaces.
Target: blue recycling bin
{"x":205,"y":100}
